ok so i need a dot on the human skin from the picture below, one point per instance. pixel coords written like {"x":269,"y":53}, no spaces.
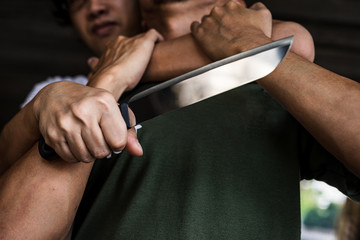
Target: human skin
{"x":39,"y":198}
{"x":100,"y":21}
{"x":87,"y":117}
{"x":39,"y":178}
{"x":174,"y":25}
{"x":173,"y":22}
{"x":325,"y":103}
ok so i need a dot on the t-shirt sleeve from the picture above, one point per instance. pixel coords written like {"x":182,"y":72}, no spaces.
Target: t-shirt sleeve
{"x":38,"y":86}
{"x":317,"y":163}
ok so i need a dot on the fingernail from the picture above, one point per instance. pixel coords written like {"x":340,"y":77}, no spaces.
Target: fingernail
{"x":109,"y":156}
{"x":137,"y":127}
{"x":117,"y":152}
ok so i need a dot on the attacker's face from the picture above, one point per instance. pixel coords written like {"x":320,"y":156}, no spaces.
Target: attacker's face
{"x":172,"y":18}
{"x":100,"y":21}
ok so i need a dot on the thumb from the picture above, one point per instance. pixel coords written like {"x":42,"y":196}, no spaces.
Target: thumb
{"x":133,"y":146}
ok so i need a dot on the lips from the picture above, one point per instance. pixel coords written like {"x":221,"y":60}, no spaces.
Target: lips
{"x":103,"y":29}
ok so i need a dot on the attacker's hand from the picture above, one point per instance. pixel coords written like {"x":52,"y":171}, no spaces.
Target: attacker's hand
{"x":232,"y":29}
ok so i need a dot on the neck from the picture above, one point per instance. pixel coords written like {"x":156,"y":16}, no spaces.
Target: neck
{"x":173,"y":18}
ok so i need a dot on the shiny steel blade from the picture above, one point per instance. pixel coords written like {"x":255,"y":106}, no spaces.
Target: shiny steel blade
{"x":245,"y":67}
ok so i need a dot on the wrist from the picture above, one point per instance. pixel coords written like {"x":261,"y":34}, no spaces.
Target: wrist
{"x":110,"y":82}
{"x":256,"y":40}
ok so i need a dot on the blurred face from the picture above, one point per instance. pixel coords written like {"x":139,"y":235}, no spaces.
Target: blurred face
{"x":172,"y":18}
{"x":99,"y":21}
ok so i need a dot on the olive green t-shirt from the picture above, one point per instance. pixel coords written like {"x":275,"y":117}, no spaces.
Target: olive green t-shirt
{"x":225,"y":168}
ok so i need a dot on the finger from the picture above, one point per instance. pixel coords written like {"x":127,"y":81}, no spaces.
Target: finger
{"x":94,"y":141}
{"x":194,"y":27}
{"x":154,"y":35}
{"x":92,"y":62}
{"x":114,"y":129}
{"x":264,"y":16}
{"x":233,"y":4}
{"x":62,"y":149}
{"x":218,"y":13}
{"x":241,"y":2}
{"x":79,"y":149}
{"x":133,"y":146}
{"x":58,"y":143}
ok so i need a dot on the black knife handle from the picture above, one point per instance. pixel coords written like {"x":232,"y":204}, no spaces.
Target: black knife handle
{"x":49,"y":153}
{"x":45,"y":150}
{"x":124,"y":109}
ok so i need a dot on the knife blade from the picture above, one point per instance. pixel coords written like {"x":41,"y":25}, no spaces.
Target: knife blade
{"x":250,"y":66}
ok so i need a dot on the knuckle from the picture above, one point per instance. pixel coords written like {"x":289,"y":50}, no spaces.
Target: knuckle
{"x":232,"y":5}
{"x":119,"y":145}
{"x":201,"y":32}
{"x":81,"y":114}
{"x":218,"y":11}
{"x":51,"y":136}
{"x":205,"y":19}
{"x":103,"y":100}
{"x":63,"y":122}
{"x":152,"y":31}
{"x":77,"y":109}
{"x":259,"y":4}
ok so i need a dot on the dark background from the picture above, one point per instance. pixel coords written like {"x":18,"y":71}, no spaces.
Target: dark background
{"x":33,"y":46}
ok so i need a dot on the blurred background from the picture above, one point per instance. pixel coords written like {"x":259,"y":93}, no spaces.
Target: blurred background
{"x":33,"y":46}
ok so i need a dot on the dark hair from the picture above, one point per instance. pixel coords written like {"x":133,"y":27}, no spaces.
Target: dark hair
{"x":61,"y":11}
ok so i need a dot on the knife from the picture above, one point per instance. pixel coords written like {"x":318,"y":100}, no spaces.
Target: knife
{"x":249,"y":66}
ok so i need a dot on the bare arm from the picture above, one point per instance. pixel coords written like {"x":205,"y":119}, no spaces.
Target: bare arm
{"x":58,"y":108}
{"x":17,"y":137}
{"x":325,"y":103}
{"x":174,"y":57}
{"x":183,"y":54}
{"x":39,"y":198}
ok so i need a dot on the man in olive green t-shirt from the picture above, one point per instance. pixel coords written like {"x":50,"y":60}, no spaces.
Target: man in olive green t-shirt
{"x":230,"y":171}
{"x":234,"y":175}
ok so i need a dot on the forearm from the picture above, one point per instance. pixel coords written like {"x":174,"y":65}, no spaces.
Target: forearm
{"x":325,"y":103}
{"x":180,"y":55}
{"x":19,"y":134}
{"x":174,"y":57}
{"x":39,"y":198}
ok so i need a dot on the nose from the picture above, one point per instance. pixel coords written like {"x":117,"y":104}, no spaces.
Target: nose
{"x":96,"y":8}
